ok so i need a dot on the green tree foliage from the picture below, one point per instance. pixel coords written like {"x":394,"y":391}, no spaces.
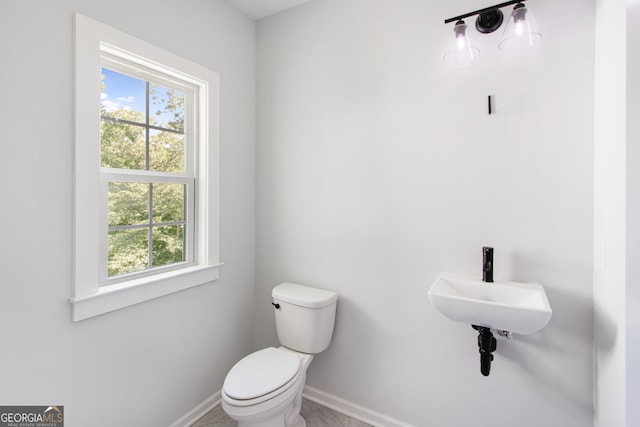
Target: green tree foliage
{"x":122,"y":146}
{"x":167,"y":105}
{"x":148,"y":206}
{"x":127,"y":251}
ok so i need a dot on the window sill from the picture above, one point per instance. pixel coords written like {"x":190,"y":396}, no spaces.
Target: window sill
{"x":121,"y":295}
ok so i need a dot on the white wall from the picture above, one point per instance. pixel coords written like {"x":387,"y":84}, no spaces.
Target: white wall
{"x":378,"y":168}
{"x":149,"y":364}
{"x":609,"y":214}
{"x":633,"y":215}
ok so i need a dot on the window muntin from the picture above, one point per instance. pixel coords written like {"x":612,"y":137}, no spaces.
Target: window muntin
{"x":148,"y":173}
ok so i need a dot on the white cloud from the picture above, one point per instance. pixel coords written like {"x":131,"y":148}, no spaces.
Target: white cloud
{"x":110,"y":105}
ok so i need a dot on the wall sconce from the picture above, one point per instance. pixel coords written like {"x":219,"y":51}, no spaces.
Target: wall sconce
{"x":461,"y":48}
{"x":520,"y":30}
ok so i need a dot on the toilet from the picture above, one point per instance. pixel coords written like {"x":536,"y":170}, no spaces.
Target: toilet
{"x":264,"y":389}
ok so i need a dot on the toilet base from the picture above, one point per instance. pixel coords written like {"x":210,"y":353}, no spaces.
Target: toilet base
{"x":293,"y":417}
{"x":277,"y":421}
{"x":299,"y":422}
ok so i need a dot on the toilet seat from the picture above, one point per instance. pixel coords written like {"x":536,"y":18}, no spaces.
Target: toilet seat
{"x":261,"y":376}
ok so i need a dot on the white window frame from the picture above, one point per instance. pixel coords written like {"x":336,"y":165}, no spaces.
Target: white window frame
{"x":91,"y":296}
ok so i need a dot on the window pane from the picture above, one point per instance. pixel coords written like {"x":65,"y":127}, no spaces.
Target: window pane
{"x":168,"y":245}
{"x":122,"y":146}
{"x":122,"y":96}
{"x":166,"y":107}
{"x":168,"y":202}
{"x":128,"y":251}
{"x":166,"y":151}
{"x":128,"y":203}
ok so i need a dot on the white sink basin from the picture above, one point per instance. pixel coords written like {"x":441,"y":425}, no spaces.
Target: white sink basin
{"x":517,"y":307}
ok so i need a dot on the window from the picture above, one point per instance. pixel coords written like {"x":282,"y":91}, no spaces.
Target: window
{"x":147,"y":167}
{"x":146,"y":195}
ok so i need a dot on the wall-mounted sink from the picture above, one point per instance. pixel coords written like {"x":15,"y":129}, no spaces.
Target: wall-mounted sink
{"x":516,"y":307}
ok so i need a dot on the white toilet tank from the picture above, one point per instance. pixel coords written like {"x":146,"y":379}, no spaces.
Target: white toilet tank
{"x":305,"y":317}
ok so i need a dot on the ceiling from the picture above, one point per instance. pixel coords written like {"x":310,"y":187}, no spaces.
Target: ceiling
{"x":258,"y":9}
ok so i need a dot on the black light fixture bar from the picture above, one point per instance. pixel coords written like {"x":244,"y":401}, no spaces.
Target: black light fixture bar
{"x":481,"y":11}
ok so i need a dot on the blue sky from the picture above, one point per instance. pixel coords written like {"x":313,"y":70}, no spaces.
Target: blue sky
{"x":125,"y":92}
{"x":122,"y":91}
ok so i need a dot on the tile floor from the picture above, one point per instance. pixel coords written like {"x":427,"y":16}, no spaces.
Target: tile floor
{"x":315,"y":415}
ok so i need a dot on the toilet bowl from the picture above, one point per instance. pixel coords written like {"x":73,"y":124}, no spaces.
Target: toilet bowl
{"x":264,"y":389}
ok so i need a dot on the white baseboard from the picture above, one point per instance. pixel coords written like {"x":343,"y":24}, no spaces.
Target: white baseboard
{"x":350,"y":409}
{"x":198,"y":412}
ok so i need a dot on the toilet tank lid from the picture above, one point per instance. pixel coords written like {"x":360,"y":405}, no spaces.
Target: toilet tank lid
{"x":304,"y":296}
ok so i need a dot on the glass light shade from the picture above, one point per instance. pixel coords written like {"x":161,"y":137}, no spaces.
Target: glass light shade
{"x":521,"y":30}
{"x":460,"y":48}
